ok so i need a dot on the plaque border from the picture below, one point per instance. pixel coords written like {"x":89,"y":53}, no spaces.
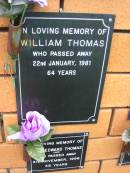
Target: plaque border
{"x":82,"y":158}
{"x":91,"y":118}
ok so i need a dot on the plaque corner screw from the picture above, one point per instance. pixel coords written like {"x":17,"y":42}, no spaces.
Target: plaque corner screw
{"x":110,"y":19}
{"x":93,"y":120}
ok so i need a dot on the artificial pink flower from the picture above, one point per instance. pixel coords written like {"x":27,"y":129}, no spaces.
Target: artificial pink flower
{"x":34,"y":127}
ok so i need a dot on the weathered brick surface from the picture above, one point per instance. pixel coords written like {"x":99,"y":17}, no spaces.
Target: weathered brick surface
{"x":120,"y":122}
{"x":3,"y":170}
{"x":96,"y":130}
{"x":18,"y":170}
{"x":11,"y":156}
{"x":7,"y":95}
{"x":4,"y":57}
{"x":104,"y":148}
{"x":53,"y":6}
{"x":118,"y":7}
{"x":110,"y":166}
{"x":119,"y":60}
{"x":116,"y":91}
{"x":4,"y":21}
{"x":91,"y":167}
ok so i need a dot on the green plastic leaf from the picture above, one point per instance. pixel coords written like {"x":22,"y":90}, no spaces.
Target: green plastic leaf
{"x":14,"y":61}
{"x":19,"y":2}
{"x":14,"y":2}
{"x":36,"y":150}
{"x":14,"y":10}
{"x":3,"y":3}
{"x":4,"y":11}
{"x":7,"y":68}
{"x":12,"y":129}
{"x":48,"y":136}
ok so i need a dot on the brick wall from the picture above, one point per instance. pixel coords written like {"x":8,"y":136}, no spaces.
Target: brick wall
{"x":105,"y":141}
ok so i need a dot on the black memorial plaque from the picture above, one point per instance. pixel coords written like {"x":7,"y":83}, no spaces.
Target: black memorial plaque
{"x":124,"y":158}
{"x":62,"y":65}
{"x":66,"y":151}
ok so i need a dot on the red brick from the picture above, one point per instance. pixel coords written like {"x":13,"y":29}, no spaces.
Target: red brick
{"x":120,"y":122}
{"x":4,"y":57}
{"x":120,"y":8}
{"x":116,"y":91}
{"x":7,"y":95}
{"x":3,"y":170}
{"x":18,"y":170}
{"x":4,"y":21}
{"x":104,"y":148}
{"x":91,"y":167}
{"x":99,"y":129}
{"x":11,"y":156}
{"x":119,"y":60}
{"x":111,"y":166}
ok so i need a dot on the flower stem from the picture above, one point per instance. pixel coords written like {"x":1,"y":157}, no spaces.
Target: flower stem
{"x":12,"y":19}
{"x":24,"y":10}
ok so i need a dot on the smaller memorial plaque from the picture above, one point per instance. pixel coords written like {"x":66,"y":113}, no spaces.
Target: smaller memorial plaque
{"x":66,"y":151}
{"x":124,"y":158}
{"x":125,"y":155}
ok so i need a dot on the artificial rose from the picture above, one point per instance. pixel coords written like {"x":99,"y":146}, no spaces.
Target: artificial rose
{"x":18,"y":2}
{"x":10,"y":1}
{"x":41,"y":2}
{"x":34,"y":127}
